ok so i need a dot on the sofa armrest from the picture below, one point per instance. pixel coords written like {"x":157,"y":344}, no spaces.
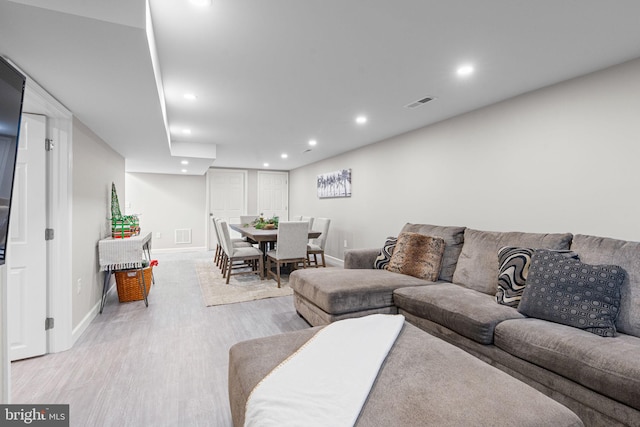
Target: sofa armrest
{"x":360,"y":258}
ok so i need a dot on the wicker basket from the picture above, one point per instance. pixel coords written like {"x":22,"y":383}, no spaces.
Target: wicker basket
{"x":128,"y":285}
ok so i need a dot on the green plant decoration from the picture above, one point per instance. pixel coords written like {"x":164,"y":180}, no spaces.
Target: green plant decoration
{"x":266,"y":223}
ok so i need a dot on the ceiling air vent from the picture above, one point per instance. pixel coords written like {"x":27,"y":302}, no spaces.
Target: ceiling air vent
{"x":420,"y":102}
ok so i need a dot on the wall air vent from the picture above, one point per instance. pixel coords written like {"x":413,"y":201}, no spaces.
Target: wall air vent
{"x":182,"y":236}
{"x":420,"y":102}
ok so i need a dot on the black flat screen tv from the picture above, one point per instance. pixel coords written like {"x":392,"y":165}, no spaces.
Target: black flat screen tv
{"x":11,"y":96}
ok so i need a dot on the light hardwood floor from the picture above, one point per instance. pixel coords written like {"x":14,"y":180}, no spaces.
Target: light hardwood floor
{"x":165,"y":365}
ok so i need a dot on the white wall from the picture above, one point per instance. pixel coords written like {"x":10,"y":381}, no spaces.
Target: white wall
{"x":563,"y":158}
{"x":170,"y":202}
{"x":94,"y":167}
{"x":166,"y":203}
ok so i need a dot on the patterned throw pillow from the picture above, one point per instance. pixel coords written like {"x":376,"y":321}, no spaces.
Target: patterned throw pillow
{"x":512,"y":274}
{"x":384,"y":257}
{"x":570,"y":292}
{"x":417,"y":255}
{"x":514,"y":265}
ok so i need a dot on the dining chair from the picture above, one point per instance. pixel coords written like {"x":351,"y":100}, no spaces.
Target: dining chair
{"x":293,"y":237}
{"x":247,"y":219}
{"x":217,"y":257}
{"x":309,"y":220}
{"x":237,"y":241}
{"x":316,"y":246}
{"x":242,"y":256}
{"x":220,"y":255}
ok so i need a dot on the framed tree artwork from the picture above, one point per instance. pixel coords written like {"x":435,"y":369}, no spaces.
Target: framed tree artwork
{"x":334,"y":184}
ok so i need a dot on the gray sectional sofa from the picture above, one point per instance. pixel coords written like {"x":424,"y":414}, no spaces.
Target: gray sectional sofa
{"x":597,"y":377}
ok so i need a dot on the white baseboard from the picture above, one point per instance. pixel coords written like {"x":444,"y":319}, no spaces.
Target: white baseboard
{"x":86,"y":321}
{"x":333,"y":261}
{"x":171,"y":250}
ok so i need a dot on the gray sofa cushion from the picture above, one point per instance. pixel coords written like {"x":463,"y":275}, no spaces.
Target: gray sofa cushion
{"x":478,"y":262}
{"x":360,"y":258}
{"x":337,"y":290}
{"x":453,"y":239}
{"x":603,"y":250}
{"x":467,"y":312}
{"x":610,"y":366}
{"x":573,"y":293}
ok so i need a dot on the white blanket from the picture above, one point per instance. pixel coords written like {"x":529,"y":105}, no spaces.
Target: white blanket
{"x":328,"y":380}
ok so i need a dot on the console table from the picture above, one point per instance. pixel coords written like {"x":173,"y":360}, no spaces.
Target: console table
{"x":123,"y":254}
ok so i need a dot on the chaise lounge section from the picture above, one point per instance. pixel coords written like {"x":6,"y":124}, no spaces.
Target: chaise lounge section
{"x":324,"y":296}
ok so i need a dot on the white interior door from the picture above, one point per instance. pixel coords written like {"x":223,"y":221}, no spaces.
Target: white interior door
{"x":27,"y":250}
{"x":228,"y":197}
{"x":273,"y":194}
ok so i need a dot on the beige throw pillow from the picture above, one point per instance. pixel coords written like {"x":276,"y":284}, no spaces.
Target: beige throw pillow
{"x":417,"y":255}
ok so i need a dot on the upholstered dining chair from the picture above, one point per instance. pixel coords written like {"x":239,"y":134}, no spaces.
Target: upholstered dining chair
{"x":291,"y":249}
{"x":308,"y":219}
{"x":220,"y":253}
{"x":239,"y":257}
{"x":247,"y":219}
{"x":217,"y":257}
{"x":316,"y":246}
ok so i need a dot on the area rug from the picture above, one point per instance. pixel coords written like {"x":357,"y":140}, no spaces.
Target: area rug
{"x":241,"y":288}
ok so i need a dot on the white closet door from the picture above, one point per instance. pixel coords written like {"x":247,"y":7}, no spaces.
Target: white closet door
{"x":227,"y":198}
{"x":273,"y":194}
{"x":27,"y":249}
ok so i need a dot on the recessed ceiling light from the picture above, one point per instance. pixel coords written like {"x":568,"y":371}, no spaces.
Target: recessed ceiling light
{"x":284,"y":155}
{"x":266,"y":165}
{"x":183,"y":171}
{"x":185,"y":162}
{"x":186,"y":131}
{"x":190,"y":96}
{"x":465,"y":70}
{"x":201,"y":2}
{"x":361,"y":120}
{"x":312,"y":142}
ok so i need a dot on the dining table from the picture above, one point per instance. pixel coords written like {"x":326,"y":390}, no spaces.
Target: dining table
{"x":264,"y":236}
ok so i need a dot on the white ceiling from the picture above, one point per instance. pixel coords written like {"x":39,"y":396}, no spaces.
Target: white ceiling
{"x":270,"y":75}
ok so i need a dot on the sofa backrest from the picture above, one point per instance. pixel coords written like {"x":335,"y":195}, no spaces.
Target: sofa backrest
{"x":478,"y":263}
{"x":453,"y":238}
{"x":603,"y":250}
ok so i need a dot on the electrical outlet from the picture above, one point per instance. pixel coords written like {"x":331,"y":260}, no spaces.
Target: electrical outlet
{"x":345,"y":243}
{"x":79,"y":286}
{"x":158,"y":235}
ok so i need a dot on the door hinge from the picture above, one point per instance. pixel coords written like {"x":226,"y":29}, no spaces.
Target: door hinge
{"x":48,"y":323}
{"x":48,"y":144}
{"x":48,"y":234}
